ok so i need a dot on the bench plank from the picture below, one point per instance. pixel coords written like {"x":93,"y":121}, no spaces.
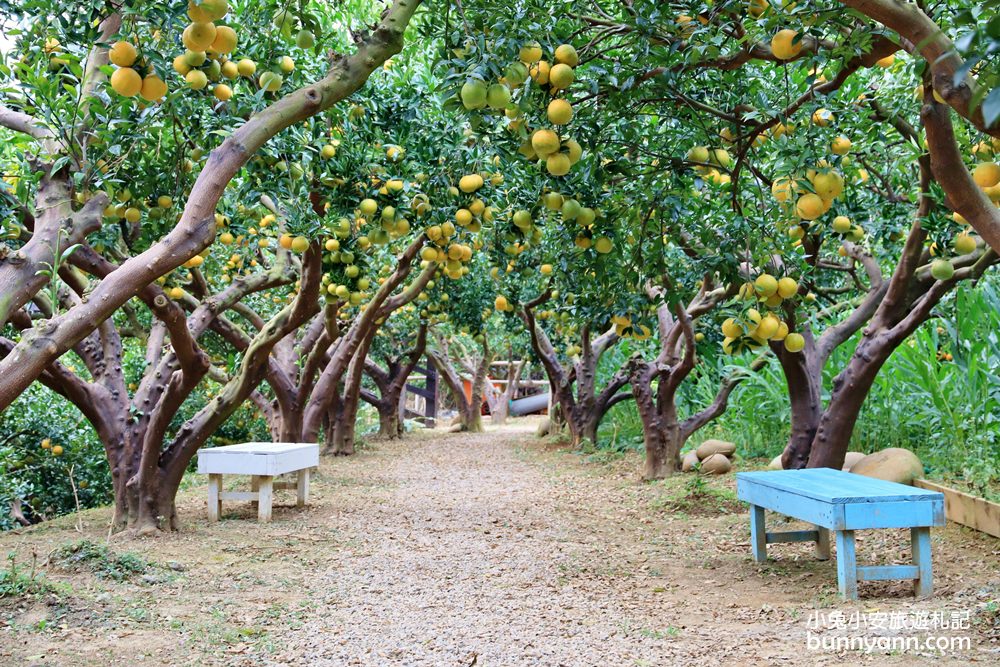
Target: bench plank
{"x":835,"y":486}
{"x":894,"y":514}
{"x":813,"y":511}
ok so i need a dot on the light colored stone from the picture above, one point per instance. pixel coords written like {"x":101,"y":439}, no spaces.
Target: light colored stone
{"x":690,"y":461}
{"x":544,"y":427}
{"x":710,"y":447}
{"x":775,"y":463}
{"x":851,"y":458}
{"x":716,"y":464}
{"x":893,"y":465}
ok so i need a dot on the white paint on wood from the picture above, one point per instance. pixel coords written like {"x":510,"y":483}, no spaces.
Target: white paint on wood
{"x":266,"y":496}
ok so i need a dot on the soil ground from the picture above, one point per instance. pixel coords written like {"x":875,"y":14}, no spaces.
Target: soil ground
{"x":489,"y":549}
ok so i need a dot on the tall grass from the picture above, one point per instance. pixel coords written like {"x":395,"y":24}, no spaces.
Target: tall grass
{"x":947,"y":410}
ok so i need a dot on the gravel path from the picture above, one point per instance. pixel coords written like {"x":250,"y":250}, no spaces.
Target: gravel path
{"x":460,"y":559}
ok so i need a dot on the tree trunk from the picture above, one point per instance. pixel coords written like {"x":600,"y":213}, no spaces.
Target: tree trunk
{"x":804,"y":380}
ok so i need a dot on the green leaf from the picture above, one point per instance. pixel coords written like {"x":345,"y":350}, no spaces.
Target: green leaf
{"x":991,"y":108}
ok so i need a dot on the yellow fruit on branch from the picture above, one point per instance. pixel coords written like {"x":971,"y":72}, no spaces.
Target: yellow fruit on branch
{"x":153,"y":89}
{"x":286,"y":64}
{"x":57,"y":450}
{"x":787,"y":287}
{"x":698,"y":154}
{"x":567,"y":55}
{"x":473,"y":94}
{"x":199,"y":36}
{"x":731,"y":328}
{"x":222,"y":92}
{"x":795,"y":342}
{"x":558,"y":164}
{"x":539,"y":72}
{"x":544,"y":142}
{"x":196,"y":79}
{"x":122,"y":54}
{"x":126,"y":82}
{"x":965,"y":243}
{"x":225,"y":40}
{"x":472,"y":182}
{"x":822,"y":117}
{"x":270,"y":81}
{"x":784,"y":45}
{"x":765,"y":285}
{"x":829,"y":185}
{"x":842,"y":224}
{"x":986,"y":174}
{"x":560,"y":112}
{"x":208,"y":10}
{"x":530,"y":53}
{"x":246,"y":67}
{"x":841,"y":145}
{"x":887,"y":61}
{"x":561,"y":76}
{"x":810,"y":206}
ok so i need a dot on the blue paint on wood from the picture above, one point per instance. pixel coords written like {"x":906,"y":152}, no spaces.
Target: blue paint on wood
{"x":886,"y":572}
{"x":758,"y":534}
{"x":920,"y":544}
{"x":793,"y":536}
{"x":817,"y":512}
{"x":894,"y":514}
{"x":844,"y":502}
{"x":835,"y":486}
{"x":847,"y":565}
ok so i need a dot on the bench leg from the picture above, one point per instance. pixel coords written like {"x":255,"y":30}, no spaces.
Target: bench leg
{"x":265,"y":495}
{"x":847,"y":565}
{"x":758,"y":534}
{"x":214,"y":499}
{"x":302,"y":488}
{"x":920,"y":545}
{"x":822,"y":543}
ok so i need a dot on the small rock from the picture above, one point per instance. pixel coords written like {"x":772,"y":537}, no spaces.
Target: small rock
{"x":710,"y":447}
{"x":893,"y":465}
{"x":716,"y":464}
{"x":690,"y":461}
{"x":176,"y":566}
{"x":544,"y":427}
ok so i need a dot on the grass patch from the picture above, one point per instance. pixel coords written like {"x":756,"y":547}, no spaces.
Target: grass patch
{"x":17,"y":581}
{"x":697,"y":496}
{"x":101,"y":560}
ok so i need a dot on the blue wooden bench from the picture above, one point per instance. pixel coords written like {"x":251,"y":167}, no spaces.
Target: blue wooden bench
{"x":844,"y":502}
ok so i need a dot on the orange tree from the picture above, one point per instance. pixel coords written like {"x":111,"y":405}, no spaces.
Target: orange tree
{"x":90,"y":120}
{"x":705,"y":77}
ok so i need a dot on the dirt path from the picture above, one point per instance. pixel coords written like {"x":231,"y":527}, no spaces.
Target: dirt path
{"x":480,"y":550}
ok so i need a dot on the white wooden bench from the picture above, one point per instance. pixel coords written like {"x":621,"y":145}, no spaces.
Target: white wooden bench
{"x":263,"y":461}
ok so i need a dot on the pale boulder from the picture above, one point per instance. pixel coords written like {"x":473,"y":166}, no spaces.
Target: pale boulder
{"x":690,"y":461}
{"x":893,"y":465}
{"x":710,"y":447}
{"x":716,"y":464}
{"x":851,"y":458}
{"x":775,"y":463}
